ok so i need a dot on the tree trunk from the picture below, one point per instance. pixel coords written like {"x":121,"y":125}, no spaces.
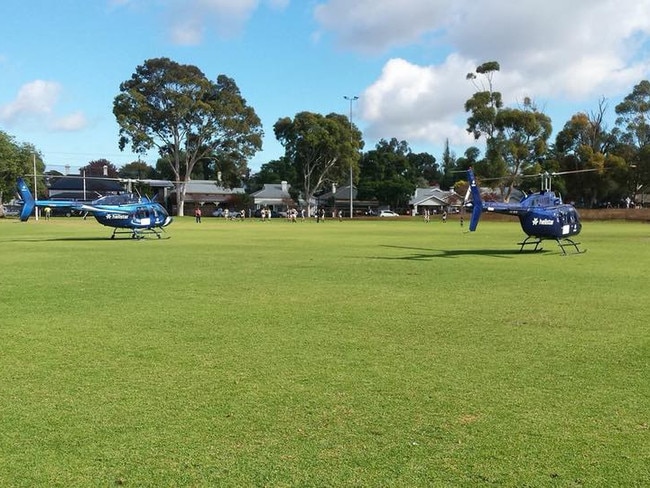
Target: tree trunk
{"x":180,"y":199}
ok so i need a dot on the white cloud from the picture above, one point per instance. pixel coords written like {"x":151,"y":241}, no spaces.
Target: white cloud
{"x":70,"y":123}
{"x":190,"y":19}
{"x":414,"y":102}
{"x":35,"y":104}
{"x":35,"y":98}
{"x":376,"y":25}
{"x":558,"y":48}
{"x":570,"y":51}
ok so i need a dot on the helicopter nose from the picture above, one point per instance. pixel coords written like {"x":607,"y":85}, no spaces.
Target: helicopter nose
{"x":168,"y":220}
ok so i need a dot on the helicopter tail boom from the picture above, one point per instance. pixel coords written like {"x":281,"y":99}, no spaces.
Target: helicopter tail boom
{"x":477,"y":202}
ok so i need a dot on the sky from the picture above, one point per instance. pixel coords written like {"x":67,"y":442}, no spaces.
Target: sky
{"x":62,"y":61}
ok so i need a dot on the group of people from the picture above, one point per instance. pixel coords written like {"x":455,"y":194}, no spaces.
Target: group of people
{"x":427,"y":216}
{"x":266,"y":214}
{"x":292,"y":215}
{"x":227,"y":214}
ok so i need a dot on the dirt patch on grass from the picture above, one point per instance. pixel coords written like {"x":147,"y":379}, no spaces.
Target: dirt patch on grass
{"x":468,"y":418}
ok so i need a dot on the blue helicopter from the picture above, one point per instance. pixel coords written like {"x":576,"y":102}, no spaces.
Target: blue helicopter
{"x":542,"y":215}
{"x":127,"y":213}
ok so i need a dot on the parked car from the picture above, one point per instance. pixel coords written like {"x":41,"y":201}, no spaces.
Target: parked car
{"x":11,"y":210}
{"x":388,"y":213}
{"x":65,"y":212}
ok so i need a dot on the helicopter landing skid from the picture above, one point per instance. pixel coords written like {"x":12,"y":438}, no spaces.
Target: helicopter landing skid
{"x":136,"y":233}
{"x":566,"y":242}
{"x":562,"y":242}
{"x":530,"y":241}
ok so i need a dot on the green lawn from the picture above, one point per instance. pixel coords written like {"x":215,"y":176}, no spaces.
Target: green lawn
{"x":355,"y":353}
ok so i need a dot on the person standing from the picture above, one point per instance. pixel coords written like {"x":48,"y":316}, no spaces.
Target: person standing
{"x":197,"y":215}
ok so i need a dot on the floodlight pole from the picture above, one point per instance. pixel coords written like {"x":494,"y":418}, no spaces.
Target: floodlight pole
{"x":35,"y":188}
{"x":351,"y":99}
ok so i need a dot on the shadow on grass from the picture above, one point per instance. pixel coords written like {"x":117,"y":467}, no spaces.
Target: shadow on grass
{"x":426,"y":254}
{"x":85,"y":239}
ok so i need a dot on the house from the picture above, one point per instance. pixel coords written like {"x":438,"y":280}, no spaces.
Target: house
{"x":433,"y":198}
{"x":209,"y":194}
{"x":274,"y":196}
{"x":80,"y":188}
{"x":339,"y":199}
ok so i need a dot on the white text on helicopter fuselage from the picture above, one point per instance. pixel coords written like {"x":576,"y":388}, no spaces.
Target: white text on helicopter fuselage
{"x":116,"y":216}
{"x":537,"y":221}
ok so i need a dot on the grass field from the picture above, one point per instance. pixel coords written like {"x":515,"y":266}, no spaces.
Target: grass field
{"x":355,"y":353}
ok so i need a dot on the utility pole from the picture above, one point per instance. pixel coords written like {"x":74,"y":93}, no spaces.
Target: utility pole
{"x":351,"y":99}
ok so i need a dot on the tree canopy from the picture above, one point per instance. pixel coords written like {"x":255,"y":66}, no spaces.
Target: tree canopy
{"x":177,"y":110}
{"x":322,"y":149}
{"x":100,"y":168}
{"x":137,"y":170}
{"x":17,"y":159}
{"x":516,"y":138}
{"x":391,"y":172}
{"x":275,"y":171}
{"x":633,"y":131}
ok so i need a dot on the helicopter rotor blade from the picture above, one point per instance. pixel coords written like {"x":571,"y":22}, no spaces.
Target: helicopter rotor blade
{"x":559,"y":173}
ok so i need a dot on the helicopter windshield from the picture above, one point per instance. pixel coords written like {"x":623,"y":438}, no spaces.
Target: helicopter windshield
{"x":159,"y":210}
{"x":543,"y":199}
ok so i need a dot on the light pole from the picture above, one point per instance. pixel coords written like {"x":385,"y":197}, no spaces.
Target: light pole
{"x":35,"y":188}
{"x":351,"y":99}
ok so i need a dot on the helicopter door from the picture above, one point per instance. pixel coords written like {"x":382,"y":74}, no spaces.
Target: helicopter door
{"x":142,"y":216}
{"x":564,"y":223}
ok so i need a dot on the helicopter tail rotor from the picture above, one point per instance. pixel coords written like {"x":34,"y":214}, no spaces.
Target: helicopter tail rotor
{"x":477,"y":202}
{"x":28,"y":200}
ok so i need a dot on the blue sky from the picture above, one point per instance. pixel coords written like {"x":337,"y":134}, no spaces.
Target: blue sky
{"x":61,"y":62}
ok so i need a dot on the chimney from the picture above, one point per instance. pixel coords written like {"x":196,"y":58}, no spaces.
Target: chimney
{"x":285,"y":187}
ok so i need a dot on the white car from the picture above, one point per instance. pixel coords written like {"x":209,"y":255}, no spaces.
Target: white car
{"x":388,"y":213}
{"x":10,"y":210}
